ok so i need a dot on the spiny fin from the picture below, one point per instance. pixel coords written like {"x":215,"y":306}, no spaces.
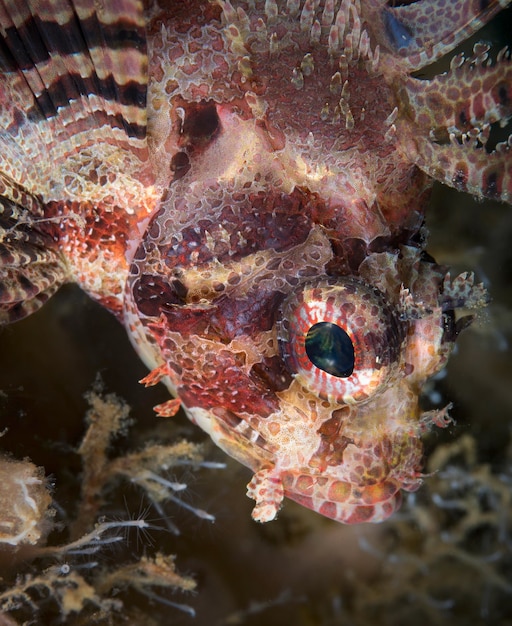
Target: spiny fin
{"x":169,"y":408}
{"x":463,"y":292}
{"x":31,"y":268}
{"x":68,"y":50}
{"x":155,"y":376}
{"x":422,"y":32}
{"x":73,"y":90}
{"x":73,"y":84}
{"x":452,"y":120}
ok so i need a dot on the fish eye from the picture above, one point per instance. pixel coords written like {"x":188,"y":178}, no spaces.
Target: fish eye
{"x":340,"y":339}
{"x":330,"y":348}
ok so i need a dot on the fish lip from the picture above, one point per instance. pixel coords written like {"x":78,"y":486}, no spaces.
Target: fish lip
{"x":363,"y":506}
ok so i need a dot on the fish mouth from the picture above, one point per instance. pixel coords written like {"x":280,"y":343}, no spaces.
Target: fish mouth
{"x":370,"y":492}
{"x":343,"y":501}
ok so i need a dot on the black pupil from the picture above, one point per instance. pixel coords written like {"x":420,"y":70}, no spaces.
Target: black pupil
{"x":329,"y":348}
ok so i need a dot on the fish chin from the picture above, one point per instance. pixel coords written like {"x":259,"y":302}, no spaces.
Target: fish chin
{"x":386,"y":499}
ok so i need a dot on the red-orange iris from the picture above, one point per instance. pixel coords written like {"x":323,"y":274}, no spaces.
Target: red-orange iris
{"x":323,"y":364}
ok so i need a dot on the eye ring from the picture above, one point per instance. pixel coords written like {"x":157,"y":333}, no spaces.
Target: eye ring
{"x":340,"y":339}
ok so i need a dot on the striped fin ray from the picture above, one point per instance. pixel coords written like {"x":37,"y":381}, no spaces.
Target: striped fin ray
{"x":78,"y":74}
{"x":73,"y":151}
{"x":31,"y":267}
{"x":67,"y":50}
{"x":454,"y":120}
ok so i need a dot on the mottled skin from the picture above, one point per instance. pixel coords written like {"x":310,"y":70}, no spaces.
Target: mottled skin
{"x":276,"y":176}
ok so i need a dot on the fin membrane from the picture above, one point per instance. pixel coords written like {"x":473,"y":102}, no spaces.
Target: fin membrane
{"x":31,"y":267}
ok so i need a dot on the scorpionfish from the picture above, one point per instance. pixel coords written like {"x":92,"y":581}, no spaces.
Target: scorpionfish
{"x":243,"y":184}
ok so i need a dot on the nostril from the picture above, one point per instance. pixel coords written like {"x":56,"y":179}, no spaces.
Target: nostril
{"x":180,"y":165}
{"x":201,"y":123}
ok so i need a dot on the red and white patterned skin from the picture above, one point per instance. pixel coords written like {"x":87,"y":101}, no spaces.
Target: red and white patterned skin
{"x":223,"y":176}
